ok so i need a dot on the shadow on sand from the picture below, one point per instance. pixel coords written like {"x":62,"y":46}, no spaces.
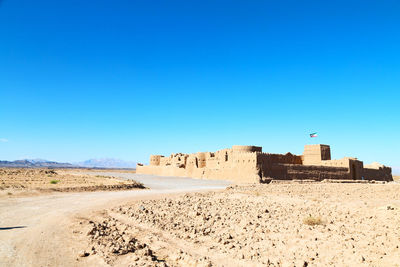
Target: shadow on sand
{"x":10,"y":228}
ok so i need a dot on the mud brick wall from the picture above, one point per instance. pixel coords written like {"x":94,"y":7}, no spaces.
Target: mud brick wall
{"x":303,"y":172}
{"x":381,"y":174}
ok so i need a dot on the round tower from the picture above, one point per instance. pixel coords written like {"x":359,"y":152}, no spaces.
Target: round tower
{"x":247,"y":148}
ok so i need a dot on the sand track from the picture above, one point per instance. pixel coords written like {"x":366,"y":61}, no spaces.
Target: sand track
{"x":36,"y":231}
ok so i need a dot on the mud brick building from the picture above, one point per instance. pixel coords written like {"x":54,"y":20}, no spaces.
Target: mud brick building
{"x":248,"y":164}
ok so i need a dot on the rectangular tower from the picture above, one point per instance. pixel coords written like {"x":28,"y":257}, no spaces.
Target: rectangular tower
{"x":314,"y":154}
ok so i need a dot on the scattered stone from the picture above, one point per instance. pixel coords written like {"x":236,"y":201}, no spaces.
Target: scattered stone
{"x":239,"y":225}
{"x":83,"y":253}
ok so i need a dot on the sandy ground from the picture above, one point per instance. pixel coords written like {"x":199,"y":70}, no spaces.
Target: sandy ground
{"x":189,"y":222}
{"x":24,"y":181}
{"x":39,"y":231}
{"x":312,"y":224}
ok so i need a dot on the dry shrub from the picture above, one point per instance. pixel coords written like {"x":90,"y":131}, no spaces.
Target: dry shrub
{"x":312,"y":220}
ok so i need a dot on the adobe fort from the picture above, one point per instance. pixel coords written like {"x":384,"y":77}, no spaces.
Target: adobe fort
{"x":248,"y":164}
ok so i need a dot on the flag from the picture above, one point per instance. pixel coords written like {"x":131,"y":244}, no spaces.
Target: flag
{"x":313,"y":135}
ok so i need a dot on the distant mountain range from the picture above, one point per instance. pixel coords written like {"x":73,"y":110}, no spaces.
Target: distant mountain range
{"x":106,"y":163}
{"x":91,"y":163}
{"x":34,"y":163}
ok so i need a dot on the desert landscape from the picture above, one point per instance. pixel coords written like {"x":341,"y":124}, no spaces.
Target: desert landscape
{"x":199,"y":133}
{"x":279,"y":224}
{"x":122,"y":218}
{"x":194,"y":222}
{"x":28,"y":181}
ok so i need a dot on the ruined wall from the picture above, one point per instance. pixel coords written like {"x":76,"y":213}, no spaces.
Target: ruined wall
{"x":237,"y":174}
{"x":178,"y":160}
{"x":155,"y":160}
{"x":201,"y":158}
{"x":238,"y":165}
{"x":192,"y":162}
{"x":212,"y":163}
{"x":164,"y":161}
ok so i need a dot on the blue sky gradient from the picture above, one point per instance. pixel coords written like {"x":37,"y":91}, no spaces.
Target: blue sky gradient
{"x":126,"y":79}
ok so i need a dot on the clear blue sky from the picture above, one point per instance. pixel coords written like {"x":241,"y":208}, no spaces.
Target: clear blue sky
{"x":126,"y":79}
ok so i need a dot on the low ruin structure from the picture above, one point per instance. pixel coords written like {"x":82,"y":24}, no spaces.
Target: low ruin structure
{"x":248,"y":164}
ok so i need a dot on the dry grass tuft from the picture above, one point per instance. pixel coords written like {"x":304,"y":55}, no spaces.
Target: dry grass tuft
{"x":312,"y":220}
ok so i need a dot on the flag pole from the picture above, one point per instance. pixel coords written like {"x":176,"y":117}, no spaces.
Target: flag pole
{"x":314,"y":135}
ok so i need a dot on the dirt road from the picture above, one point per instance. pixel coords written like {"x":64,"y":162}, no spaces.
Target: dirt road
{"x":35,"y":231}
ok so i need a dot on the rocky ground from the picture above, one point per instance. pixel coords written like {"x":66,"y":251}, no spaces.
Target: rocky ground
{"x":313,"y":224}
{"x":18,"y":181}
